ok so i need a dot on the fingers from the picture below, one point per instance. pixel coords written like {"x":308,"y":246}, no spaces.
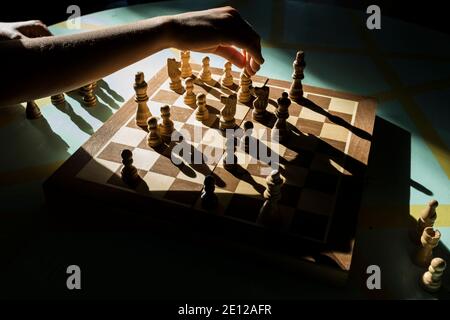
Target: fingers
{"x":232,"y":55}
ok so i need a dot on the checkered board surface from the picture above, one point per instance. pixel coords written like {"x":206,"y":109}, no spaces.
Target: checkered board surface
{"x":312,"y":162}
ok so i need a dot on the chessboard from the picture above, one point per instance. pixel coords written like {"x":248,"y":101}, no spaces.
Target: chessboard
{"x":323,"y":164}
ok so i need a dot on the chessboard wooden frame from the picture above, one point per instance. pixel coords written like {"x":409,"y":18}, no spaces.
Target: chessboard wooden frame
{"x":63,"y":185}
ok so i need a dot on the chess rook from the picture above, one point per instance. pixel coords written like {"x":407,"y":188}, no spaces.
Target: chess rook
{"x":431,"y":280}
{"x":129,"y":172}
{"x":282,"y":114}
{"x":153,"y":136}
{"x":244,"y":94}
{"x":427,"y":218}
{"x":166,"y":127}
{"x":429,"y":240}
{"x":173,"y":70}
{"x":296,"y":90}
{"x":89,"y":97}
{"x":32,"y":110}
{"x":58,"y":99}
{"x":205,"y":72}
{"x":269,"y":215}
{"x":189,"y":97}
{"x":227,"y":78}
{"x":227,"y":120}
{"x":141,"y":98}
{"x":208,"y":197}
{"x":186,"y":70}
{"x":260,"y":103}
{"x":201,"y":113}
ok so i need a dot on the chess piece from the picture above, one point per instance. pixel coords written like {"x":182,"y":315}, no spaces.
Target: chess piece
{"x":230,"y":158}
{"x":89,"y":97}
{"x":227,"y":120}
{"x":431,"y":280}
{"x":227,"y":78}
{"x":244,"y":94}
{"x":268,"y":215}
{"x":129,"y":172}
{"x":58,"y":99}
{"x":141,"y":98}
{"x":153,"y":136}
{"x":174,"y":75}
{"x":186,"y":70}
{"x":208,"y":197}
{"x":247,"y":136}
{"x":429,"y":240}
{"x":201,"y":113}
{"x":205,"y":73}
{"x":427,"y":218}
{"x":94,"y":85}
{"x":260,"y":103}
{"x":282,"y":114}
{"x":189,"y":97}
{"x":296,"y":90}
{"x":166,"y":127}
{"x":32,"y":111}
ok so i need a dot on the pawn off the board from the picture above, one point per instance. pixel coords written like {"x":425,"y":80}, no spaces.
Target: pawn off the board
{"x":431,"y":280}
{"x":429,"y":240}
{"x":32,"y":110}
{"x":89,"y":97}
{"x":58,"y":99}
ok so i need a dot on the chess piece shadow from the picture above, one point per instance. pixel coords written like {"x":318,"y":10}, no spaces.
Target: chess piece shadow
{"x":100,"y":93}
{"x":84,"y":126}
{"x":305,"y":102}
{"x":100,"y":111}
{"x":105,"y":86}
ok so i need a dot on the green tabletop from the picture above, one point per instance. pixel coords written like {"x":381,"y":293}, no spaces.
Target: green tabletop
{"x":405,"y":66}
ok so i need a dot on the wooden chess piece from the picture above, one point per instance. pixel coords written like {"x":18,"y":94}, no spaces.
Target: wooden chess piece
{"x":244,"y":93}
{"x":429,"y":240}
{"x":129,"y":172}
{"x":58,"y":99}
{"x":32,"y":110}
{"x":205,"y":72}
{"x":173,"y":70}
{"x":431,"y":280}
{"x":141,"y":98}
{"x":427,"y":218}
{"x":269,"y":213}
{"x":166,"y":127}
{"x":186,"y":70}
{"x":153,"y":136}
{"x":189,"y":97}
{"x":260,"y":103}
{"x":209,"y":198}
{"x":227,"y":120}
{"x":227,"y":78}
{"x":282,"y":113}
{"x":89,"y":97}
{"x":296,"y":90}
{"x":247,"y":136}
{"x":201,"y":113}
{"x":230,"y":160}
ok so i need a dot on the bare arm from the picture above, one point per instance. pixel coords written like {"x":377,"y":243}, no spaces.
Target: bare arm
{"x":43,"y":66}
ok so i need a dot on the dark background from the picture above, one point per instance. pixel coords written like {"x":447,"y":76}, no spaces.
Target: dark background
{"x":432,"y":14}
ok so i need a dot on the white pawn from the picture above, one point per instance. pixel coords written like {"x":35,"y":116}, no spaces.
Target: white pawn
{"x":432,"y":279}
{"x":227,"y":77}
{"x":166,"y":127}
{"x":201,"y":113}
{"x":427,"y":218}
{"x":205,"y":73}
{"x":186,"y":70}
{"x":153,"y":136}
{"x":268,"y":215}
{"x":244,"y":94}
{"x":429,"y":240}
{"x":189,"y":96}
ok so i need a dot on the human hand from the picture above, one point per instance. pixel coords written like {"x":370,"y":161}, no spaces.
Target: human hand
{"x":23,"y":29}
{"x":220,"y":31}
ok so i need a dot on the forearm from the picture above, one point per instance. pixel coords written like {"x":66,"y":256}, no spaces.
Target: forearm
{"x":50,"y":65}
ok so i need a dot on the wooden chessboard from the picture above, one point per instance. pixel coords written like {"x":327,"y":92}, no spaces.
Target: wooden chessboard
{"x":323,"y":164}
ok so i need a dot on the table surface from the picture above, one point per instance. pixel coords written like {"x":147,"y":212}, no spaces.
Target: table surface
{"x":404,"y":66}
